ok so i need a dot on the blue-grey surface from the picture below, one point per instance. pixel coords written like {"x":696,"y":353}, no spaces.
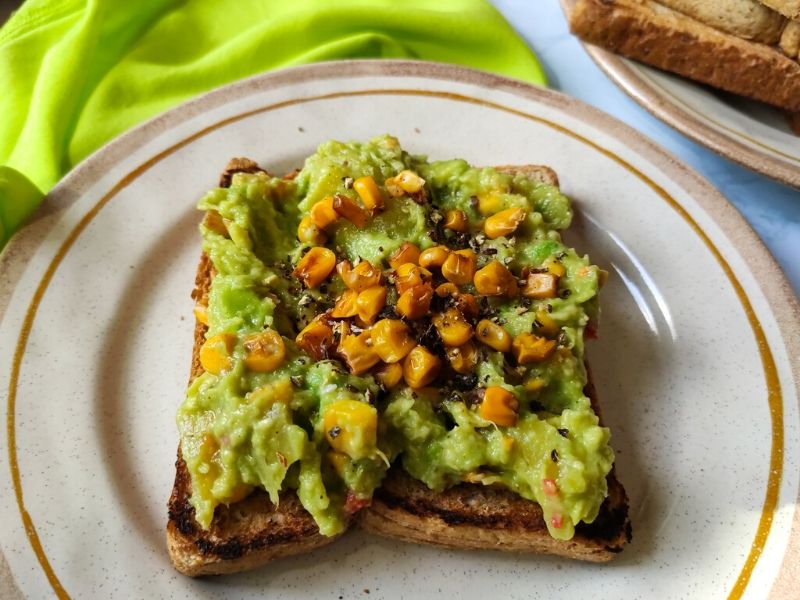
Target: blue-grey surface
{"x":772,"y":209}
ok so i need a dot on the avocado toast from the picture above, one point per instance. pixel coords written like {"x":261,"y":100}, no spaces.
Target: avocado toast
{"x":379,"y":309}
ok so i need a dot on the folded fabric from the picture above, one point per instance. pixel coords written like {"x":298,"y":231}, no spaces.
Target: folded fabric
{"x":75,"y":74}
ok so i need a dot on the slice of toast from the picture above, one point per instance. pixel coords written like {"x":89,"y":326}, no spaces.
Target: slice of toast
{"x":474,"y":516}
{"x":788,"y":8}
{"x":248,"y":533}
{"x":254,"y":531}
{"x":656,"y":35}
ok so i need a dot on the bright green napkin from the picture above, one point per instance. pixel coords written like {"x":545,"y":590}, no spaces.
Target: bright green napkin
{"x":75,"y":74}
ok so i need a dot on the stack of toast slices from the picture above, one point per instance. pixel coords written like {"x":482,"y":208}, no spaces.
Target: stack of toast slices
{"x":254,"y":531}
{"x":747,"y":47}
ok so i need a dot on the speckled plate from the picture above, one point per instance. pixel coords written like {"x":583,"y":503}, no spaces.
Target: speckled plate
{"x":753,"y":134}
{"x":694,"y":367}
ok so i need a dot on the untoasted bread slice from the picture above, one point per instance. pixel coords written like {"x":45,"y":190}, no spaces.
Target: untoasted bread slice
{"x":656,"y":35}
{"x":253,"y":531}
{"x":474,"y":516}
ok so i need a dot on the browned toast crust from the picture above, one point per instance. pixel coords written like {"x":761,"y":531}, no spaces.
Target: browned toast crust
{"x":472,"y":516}
{"x":254,"y":531}
{"x":650,"y":33}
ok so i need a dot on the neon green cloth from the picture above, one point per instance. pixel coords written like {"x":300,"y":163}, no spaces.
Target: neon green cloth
{"x":74,"y":74}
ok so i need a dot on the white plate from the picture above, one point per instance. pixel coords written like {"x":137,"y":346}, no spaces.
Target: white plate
{"x":694,"y":366}
{"x":753,"y":134}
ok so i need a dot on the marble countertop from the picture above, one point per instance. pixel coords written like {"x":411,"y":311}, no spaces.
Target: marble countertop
{"x":772,"y":209}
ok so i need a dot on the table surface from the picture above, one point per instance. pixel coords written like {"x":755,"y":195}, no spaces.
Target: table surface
{"x":772,"y":209}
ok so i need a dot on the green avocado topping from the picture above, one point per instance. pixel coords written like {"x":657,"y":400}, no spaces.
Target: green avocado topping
{"x":326,"y":415}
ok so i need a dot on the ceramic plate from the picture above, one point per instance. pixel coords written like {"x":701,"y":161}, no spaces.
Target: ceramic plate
{"x":696,"y":365}
{"x":750,"y":133}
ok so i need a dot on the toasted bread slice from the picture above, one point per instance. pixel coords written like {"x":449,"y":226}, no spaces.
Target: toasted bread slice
{"x":656,"y":35}
{"x":788,"y":8}
{"x":474,"y":516}
{"x":253,"y":531}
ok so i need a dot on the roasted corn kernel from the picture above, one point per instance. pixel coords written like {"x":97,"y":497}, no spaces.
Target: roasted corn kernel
{"x":555,"y":266}
{"x":493,"y":335}
{"x":409,"y":276}
{"x":389,"y":375}
{"x":529,"y":348}
{"x":279,"y":391}
{"x":315,"y":266}
{"x":446,"y":290}
{"x":322,"y":213}
{"x":370,"y":302}
{"x":420,"y":367}
{"x":459,"y":267}
{"x":406,"y":253}
{"x":452,"y":327}
{"x":456,"y":220}
{"x":391,"y":340}
{"x":316,"y":339}
{"x":495,"y":280}
{"x":406,"y":182}
{"x":503,"y":223}
{"x":540,"y":285}
{"x":201,"y":314}
{"x":338,"y":461}
{"x":534,"y":385}
{"x":345,"y":305}
{"x":370,"y":195}
{"x":490,"y":202}
{"x":347,"y":208}
{"x":214,"y":221}
{"x":499,"y":406}
{"x":415,"y":302}
{"x":545,"y":324}
{"x":351,"y":427}
{"x":364,"y":275}
{"x":264,"y":351}
{"x":467,"y":304}
{"x":207,"y":454}
{"x":358,"y":353}
{"x":309,"y":233}
{"x":434,"y":256}
{"x":215,"y":353}
{"x":464,"y":358}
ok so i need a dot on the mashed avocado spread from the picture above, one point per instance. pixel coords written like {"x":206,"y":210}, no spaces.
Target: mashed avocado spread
{"x":377,"y":309}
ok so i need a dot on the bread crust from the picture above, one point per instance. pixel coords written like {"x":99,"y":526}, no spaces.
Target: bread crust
{"x":656,"y":35}
{"x":254,"y":531}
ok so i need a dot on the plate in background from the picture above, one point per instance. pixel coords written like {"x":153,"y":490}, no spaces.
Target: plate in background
{"x":753,"y":134}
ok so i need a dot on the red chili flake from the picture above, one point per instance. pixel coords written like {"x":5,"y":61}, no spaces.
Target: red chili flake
{"x":557,"y":521}
{"x":353,"y":504}
{"x":550,"y":488}
{"x":282,"y":459}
